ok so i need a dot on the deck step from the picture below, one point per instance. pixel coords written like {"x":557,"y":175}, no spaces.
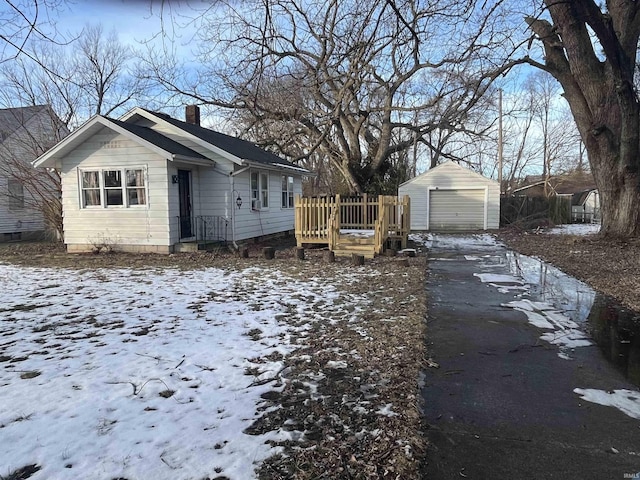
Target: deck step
{"x":196,"y":246}
{"x":348,"y":253}
{"x":356,"y":240}
{"x":347,"y":246}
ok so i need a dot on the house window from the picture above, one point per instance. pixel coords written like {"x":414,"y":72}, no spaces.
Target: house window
{"x":91,"y":189}
{"x":259,"y":190}
{"x":136,"y":192}
{"x":264,"y":190}
{"x":287,"y":191}
{"x":16,"y":194}
{"x":113,"y":188}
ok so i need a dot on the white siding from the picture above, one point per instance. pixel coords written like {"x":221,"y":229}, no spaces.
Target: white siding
{"x":213,"y":193}
{"x":449,"y":176}
{"x":17,"y":220}
{"x":22,"y":147}
{"x":274,"y":219}
{"x":217,"y":192}
{"x":144,"y":225}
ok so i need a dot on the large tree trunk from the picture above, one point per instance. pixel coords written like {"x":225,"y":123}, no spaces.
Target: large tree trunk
{"x":619,"y":189}
{"x":599,"y":89}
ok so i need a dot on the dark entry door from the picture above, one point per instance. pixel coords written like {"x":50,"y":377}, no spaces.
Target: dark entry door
{"x":184,"y":193}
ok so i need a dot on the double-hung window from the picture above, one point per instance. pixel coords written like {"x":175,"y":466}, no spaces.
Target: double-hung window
{"x":259,"y":190}
{"x":117,"y":187}
{"x":113,"y":188}
{"x":16,"y":194}
{"x":91,"y":189}
{"x":287,"y":191}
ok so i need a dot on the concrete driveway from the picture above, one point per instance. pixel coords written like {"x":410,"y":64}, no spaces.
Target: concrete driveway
{"x":506,"y":401}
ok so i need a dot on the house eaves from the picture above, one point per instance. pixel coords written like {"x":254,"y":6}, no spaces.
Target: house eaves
{"x":168,"y":148}
{"x":158,"y":119}
{"x":431,"y":171}
{"x":238,"y":151}
{"x":276,"y":167}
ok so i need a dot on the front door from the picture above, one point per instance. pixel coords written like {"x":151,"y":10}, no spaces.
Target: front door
{"x":184,"y":193}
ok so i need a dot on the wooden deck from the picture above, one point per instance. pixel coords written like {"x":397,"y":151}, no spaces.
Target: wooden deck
{"x":364,"y":225}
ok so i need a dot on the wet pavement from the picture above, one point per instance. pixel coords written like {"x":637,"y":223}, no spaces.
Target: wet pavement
{"x":522,"y":390}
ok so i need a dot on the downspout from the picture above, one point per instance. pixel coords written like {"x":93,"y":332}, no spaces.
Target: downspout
{"x":232,"y":204}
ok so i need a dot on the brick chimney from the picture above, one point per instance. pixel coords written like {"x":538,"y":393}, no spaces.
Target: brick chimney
{"x":192,"y":114}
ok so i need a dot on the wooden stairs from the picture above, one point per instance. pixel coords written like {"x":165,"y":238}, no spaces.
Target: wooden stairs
{"x":346,"y":246}
{"x":352,"y":225}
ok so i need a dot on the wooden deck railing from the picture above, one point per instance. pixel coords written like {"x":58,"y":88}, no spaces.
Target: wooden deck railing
{"x":326,"y":220}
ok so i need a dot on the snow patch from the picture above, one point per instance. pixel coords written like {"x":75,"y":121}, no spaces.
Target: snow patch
{"x":458,"y":242}
{"x":498,"y":278}
{"x":627,"y":401}
{"x":386,"y":410}
{"x":566,"y":333}
{"x":575,"y":229}
{"x":336,"y":364}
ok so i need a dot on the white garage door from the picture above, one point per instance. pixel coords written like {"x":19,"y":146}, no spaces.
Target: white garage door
{"x":456,"y":209}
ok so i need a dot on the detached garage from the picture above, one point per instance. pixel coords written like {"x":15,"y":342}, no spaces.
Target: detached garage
{"x":452,"y":198}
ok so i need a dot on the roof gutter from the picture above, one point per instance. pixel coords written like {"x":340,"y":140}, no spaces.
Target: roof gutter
{"x":277,"y":168}
{"x":196,"y":161}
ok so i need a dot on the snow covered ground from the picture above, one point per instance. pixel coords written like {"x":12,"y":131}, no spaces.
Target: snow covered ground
{"x":575,"y":229}
{"x":145,"y":374}
{"x":456,"y":241}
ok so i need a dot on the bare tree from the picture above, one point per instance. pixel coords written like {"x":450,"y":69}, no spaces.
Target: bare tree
{"x":591,"y":49}
{"x":103,"y":71}
{"x":556,"y":138}
{"x":22,"y":21}
{"x":27,"y":132}
{"x":343,"y":79}
{"x":91,"y":77}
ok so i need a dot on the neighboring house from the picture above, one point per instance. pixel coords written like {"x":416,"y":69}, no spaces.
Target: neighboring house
{"x":578,"y":188}
{"x":149,"y":182}
{"x":585,"y":206}
{"x":26,"y":132}
{"x":450,"y":197}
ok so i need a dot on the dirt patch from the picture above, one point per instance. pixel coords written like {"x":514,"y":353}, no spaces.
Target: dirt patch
{"x":608,"y":265}
{"x":349,"y":396}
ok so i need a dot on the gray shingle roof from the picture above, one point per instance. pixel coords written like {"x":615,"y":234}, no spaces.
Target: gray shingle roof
{"x":158,"y":139}
{"x":242,"y":149}
{"x":11,"y":119}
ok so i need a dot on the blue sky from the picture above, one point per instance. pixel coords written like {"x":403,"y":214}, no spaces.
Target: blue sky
{"x":134,"y":21}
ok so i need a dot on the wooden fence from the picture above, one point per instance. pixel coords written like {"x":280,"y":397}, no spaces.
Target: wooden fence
{"x":331,"y":220}
{"x":522,"y":209}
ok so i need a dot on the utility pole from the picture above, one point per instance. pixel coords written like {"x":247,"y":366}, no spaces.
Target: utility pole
{"x":500,"y":139}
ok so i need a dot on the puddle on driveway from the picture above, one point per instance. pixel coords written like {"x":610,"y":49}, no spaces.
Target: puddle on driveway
{"x":568,"y":312}
{"x":614,"y":328}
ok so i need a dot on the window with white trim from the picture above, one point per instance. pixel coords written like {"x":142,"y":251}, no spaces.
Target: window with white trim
{"x":259,"y":190}
{"x":287,"y":191}
{"x":116,"y":187}
{"x":16,"y":194}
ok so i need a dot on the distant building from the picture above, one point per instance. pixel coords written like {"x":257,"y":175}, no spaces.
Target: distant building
{"x":579,"y":187}
{"x":25,"y":133}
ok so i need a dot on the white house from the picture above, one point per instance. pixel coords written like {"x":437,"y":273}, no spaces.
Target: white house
{"x":450,"y":197}
{"x":149,"y":182}
{"x":25,"y":132}
{"x":585,"y":206}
